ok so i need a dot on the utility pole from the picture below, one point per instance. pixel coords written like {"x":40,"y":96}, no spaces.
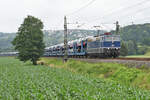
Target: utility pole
{"x":98,"y":30}
{"x":65,"y":41}
{"x":117,"y":27}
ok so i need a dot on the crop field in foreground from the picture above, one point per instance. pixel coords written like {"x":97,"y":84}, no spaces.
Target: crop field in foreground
{"x":23,"y":81}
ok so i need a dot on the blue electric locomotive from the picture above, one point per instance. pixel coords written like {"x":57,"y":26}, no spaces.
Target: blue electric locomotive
{"x":105,"y":45}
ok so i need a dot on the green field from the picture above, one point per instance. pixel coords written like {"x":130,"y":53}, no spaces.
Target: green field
{"x":23,"y":81}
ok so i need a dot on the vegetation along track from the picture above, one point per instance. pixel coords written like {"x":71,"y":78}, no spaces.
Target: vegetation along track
{"x":126,"y":59}
{"x":131,"y":62}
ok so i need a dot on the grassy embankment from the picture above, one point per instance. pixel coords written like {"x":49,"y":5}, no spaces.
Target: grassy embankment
{"x":112,"y":71}
{"x":23,"y":81}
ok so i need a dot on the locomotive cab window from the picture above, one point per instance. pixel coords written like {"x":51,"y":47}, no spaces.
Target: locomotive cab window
{"x":116,"y":38}
{"x":112,"y":38}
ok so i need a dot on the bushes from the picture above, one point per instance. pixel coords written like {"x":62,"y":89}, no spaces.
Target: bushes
{"x":126,"y":75}
{"x":111,"y":71}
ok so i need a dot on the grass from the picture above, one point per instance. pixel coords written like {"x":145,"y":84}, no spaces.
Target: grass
{"x":23,"y":81}
{"x":147,"y":54}
{"x":110,"y":71}
{"x":138,"y":56}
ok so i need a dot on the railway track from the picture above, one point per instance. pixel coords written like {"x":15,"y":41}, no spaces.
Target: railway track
{"x":121,"y":58}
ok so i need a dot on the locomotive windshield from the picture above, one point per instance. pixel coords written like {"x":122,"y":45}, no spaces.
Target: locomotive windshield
{"x":116,"y":38}
{"x":112,"y":38}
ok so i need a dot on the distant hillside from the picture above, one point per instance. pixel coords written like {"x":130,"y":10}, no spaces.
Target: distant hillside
{"x":132,"y":34}
{"x":136,"y":38}
{"x":139,"y":33}
{"x":5,"y":40}
{"x":50,"y":37}
{"x":55,"y":37}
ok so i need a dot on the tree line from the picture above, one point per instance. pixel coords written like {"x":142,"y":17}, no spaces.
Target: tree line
{"x":135,"y":39}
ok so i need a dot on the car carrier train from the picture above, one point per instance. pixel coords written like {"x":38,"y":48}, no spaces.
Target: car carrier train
{"x":105,"y":45}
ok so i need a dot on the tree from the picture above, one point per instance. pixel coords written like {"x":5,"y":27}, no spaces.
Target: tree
{"x":146,"y":41}
{"x":135,"y":47}
{"x":132,"y":47}
{"x":123,"y":50}
{"x":29,"y":40}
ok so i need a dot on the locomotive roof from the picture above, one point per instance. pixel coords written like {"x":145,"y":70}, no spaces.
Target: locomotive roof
{"x":93,"y":38}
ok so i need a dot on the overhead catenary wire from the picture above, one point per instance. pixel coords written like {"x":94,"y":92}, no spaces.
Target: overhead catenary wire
{"x":128,"y":8}
{"x":122,"y":9}
{"x":81,"y":8}
{"x":130,"y":13}
{"x":137,"y":20}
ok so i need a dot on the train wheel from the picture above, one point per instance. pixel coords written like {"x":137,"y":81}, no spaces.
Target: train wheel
{"x":114,"y":55}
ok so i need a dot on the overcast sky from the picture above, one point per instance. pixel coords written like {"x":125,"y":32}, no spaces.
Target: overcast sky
{"x":51,"y":12}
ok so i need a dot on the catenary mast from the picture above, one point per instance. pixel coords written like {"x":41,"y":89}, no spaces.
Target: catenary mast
{"x":65,"y":40}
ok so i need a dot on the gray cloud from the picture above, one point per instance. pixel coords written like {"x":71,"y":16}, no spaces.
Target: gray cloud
{"x":51,"y":12}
